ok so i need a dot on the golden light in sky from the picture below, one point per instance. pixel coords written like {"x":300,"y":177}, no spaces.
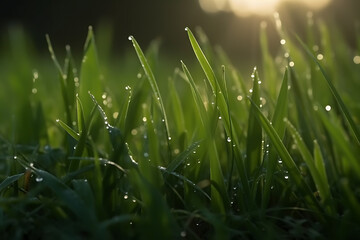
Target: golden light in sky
{"x":258,"y":7}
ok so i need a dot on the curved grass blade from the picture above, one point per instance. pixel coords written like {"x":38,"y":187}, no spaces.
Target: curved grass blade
{"x":68,"y":129}
{"x":10,"y":180}
{"x":116,"y":138}
{"x":292,"y":168}
{"x":335,"y":93}
{"x":196,"y":95}
{"x":185,"y":179}
{"x":80,"y":114}
{"x":341,"y":142}
{"x":152,"y":81}
{"x":320,"y":181}
{"x":218,"y":195}
{"x":210,"y":75}
{"x":176,"y":162}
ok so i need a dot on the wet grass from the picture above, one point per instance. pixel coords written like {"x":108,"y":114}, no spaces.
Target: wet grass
{"x":202,"y":153}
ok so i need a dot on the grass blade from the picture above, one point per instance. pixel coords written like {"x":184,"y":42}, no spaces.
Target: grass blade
{"x":152,"y":81}
{"x":10,"y":180}
{"x":320,"y":181}
{"x":89,"y":73}
{"x":277,"y":121}
{"x":335,"y":93}
{"x":68,"y":129}
{"x":294,"y":172}
{"x":254,"y":132}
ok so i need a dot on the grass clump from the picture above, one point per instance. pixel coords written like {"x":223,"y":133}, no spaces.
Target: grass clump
{"x":228,"y":157}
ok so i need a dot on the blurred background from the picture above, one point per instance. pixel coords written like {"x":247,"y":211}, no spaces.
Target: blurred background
{"x":28,"y":79}
{"x":232,"y":24}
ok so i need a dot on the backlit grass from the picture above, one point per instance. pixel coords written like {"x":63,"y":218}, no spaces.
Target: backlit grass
{"x":205,"y":153}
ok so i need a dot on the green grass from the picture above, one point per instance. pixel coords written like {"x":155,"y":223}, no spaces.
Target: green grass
{"x":202,"y":153}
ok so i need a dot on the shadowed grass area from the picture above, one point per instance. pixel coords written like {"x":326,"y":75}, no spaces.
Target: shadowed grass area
{"x":92,"y":152}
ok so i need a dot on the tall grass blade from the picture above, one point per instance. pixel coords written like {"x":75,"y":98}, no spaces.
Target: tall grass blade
{"x":294,"y":172}
{"x":277,"y":121}
{"x":335,"y":93}
{"x":152,"y":81}
{"x":321,"y":182}
{"x":90,"y":79}
{"x":254,"y":132}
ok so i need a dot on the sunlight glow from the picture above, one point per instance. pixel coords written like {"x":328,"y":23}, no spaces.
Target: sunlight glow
{"x":254,"y":7}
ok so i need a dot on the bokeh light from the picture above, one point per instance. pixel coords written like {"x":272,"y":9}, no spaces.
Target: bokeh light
{"x":254,"y":7}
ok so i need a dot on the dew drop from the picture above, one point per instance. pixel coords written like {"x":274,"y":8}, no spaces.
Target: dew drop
{"x":251,"y":90}
{"x":139,"y":75}
{"x":146,"y":154}
{"x":239,"y":98}
{"x":38,"y":179}
{"x":34,"y":90}
{"x":186,"y":29}
{"x":126,"y":196}
{"x":163,"y":120}
{"x":57,"y":120}
{"x":282,"y":41}
{"x":144,"y":119}
{"x":328,"y":108}
{"x":219,"y":117}
{"x":183,"y":233}
{"x":356,"y":59}
{"x":286,"y":177}
{"x":130,"y":38}
{"x":228,"y":139}
{"x":169,"y":138}
{"x":291,"y":64}
{"x":115,"y":115}
{"x":134,"y":132}
{"x":320,"y":57}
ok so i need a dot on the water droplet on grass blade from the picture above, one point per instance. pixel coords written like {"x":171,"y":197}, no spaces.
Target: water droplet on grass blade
{"x":282,"y":41}
{"x":328,"y":108}
{"x":320,"y":57}
{"x":356,"y":59}
{"x":38,"y":179}
{"x":228,"y":139}
{"x":130,"y":38}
